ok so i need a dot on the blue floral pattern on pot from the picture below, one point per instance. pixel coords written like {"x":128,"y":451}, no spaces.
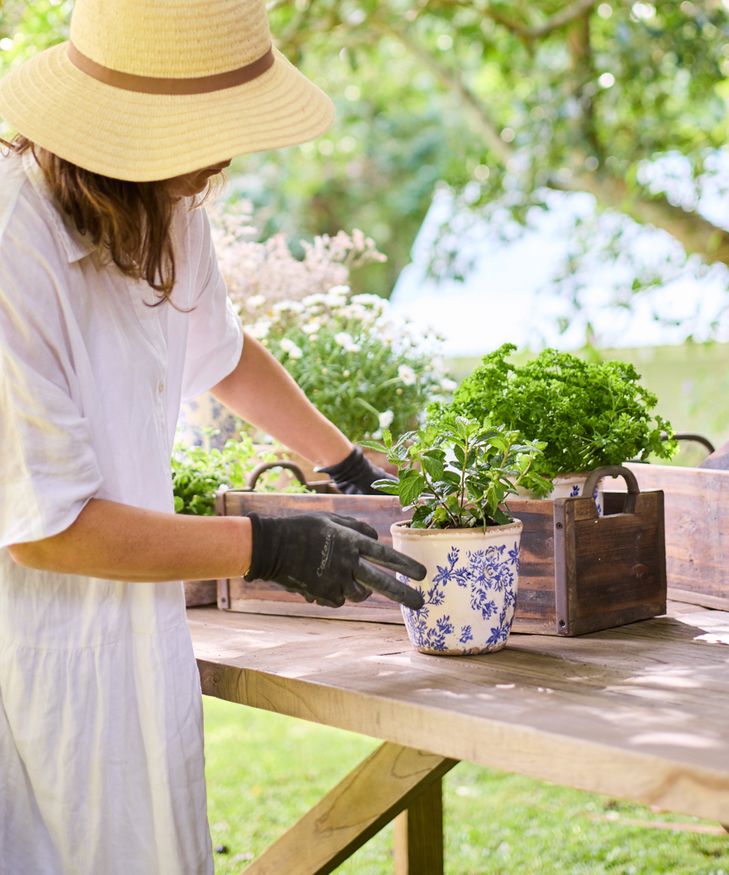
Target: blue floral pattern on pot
{"x":570,"y":486}
{"x":206,"y":412}
{"x":489,"y":578}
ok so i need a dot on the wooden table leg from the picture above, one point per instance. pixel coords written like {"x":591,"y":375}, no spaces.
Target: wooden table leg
{"x":419,"y":834}
{"x":392,"y":779}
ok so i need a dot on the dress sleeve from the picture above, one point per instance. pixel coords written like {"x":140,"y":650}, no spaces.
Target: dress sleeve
{"x":215,"y":334}
{"x":48,"y":468}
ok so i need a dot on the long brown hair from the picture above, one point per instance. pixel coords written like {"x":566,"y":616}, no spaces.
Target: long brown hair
{"x":130,"y":220}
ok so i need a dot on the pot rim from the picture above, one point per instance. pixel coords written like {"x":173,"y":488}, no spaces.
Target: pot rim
{"x":402,"y":527}
{"x":573,"y":475}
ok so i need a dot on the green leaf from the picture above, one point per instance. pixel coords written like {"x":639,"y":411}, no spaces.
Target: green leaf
{"x":377,"y":446}
{"x":433,"y":465}
{"x":389,"y":487}
{"x":412,"y":485}
{"x":451,"y":478}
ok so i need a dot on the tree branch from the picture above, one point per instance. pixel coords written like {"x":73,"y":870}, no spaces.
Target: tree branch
{"x":560,"y":19}
{"x":582,"y":82}
{"x":530,"y":33}
{"x":698,"y":235}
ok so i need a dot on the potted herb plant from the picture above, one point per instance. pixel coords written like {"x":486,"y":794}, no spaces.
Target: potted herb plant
{"x":458,"y":473}
{"x":588,"y":414}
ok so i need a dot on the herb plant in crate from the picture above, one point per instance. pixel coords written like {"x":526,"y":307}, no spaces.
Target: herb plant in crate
{"x":199,"y":472}
{"x":588,"y":414}
{"x":458,"y":474}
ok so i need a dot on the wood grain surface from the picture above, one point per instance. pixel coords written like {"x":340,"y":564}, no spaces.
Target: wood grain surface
{"x":379,"y":788}
{"x":640,"y":712}
{"x":697,"y":530}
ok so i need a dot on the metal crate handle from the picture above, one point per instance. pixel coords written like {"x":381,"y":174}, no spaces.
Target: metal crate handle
{"x":268,"y":466}
{"x":598,"y":474}
{"x":319,"y":486}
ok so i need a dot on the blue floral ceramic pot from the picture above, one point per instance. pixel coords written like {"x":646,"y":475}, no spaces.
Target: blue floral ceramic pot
{"x":570,"y":486}
{"x":469,"y":590}
{"x":206,"y":412}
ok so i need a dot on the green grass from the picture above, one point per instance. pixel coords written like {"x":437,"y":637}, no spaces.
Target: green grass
{"x":264,"y":771}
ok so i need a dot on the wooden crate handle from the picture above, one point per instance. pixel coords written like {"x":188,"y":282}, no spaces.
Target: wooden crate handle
{"x":598,"y":474}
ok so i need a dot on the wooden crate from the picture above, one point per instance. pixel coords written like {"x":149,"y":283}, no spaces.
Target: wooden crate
{"x":582,"y":573}
{"x":579,"y":572}
{"x":697,"y":531}
{"x":200,"y":592}
{"x":259,"y":596}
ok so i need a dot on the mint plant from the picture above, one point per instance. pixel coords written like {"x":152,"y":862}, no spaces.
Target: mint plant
{"x":586,"y":414}
{"x":457,"y":471}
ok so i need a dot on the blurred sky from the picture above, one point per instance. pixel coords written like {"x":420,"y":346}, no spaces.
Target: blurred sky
{"x":507,"y":296}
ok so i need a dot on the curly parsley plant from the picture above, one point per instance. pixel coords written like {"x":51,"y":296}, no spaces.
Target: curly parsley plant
{"x":587,"y":414}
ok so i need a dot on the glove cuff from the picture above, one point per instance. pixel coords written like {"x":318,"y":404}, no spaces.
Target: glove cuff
{"x":263,"y":547}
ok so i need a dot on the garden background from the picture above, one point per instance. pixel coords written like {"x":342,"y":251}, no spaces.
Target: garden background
{"x":465,"y":130}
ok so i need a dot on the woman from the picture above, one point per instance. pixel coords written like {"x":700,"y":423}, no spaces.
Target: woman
{"x":111,"y":311}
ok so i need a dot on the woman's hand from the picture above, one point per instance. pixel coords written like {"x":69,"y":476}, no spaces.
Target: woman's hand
{"x":329,"y":558}
{"x":355,"y":474}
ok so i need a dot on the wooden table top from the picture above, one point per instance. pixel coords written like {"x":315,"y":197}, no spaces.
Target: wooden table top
{"x":639,"y":712}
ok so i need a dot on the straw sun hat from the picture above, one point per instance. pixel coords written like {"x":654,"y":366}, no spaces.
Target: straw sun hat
{"x":150,"y":89}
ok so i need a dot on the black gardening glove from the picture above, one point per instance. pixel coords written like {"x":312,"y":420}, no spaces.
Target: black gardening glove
{"x":326,"y":558}
{"x":356,"y":474}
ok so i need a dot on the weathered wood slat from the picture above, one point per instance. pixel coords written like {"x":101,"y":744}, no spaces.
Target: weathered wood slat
{"x":638,"y":712}
{"x":697,"y":529}
{"x":535,"y":604}
{"x":200,"y":592}
{"x":419,"y":834}
{"x":377,"y":790}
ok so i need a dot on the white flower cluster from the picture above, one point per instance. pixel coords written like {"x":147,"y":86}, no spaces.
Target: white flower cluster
{"x":260,"y":275}
{"x":364,"y":367}
{"x":353,"y":347}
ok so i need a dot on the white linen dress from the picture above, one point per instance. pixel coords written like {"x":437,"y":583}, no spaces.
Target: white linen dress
{"x":101,"y":749}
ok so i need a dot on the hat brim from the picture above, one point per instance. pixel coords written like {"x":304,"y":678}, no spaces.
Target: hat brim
{"x":144,"y":137}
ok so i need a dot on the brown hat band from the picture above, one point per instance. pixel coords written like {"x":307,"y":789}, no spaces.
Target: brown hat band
{"x":156,"y":85}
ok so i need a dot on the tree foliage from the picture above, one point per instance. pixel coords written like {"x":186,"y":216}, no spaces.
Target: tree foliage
{"x":574,"y":96}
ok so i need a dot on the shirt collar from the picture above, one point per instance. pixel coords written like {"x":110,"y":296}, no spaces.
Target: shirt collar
{"x":75,"y":244}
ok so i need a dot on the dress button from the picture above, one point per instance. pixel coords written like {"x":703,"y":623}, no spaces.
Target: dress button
{"x":161,"y":386}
